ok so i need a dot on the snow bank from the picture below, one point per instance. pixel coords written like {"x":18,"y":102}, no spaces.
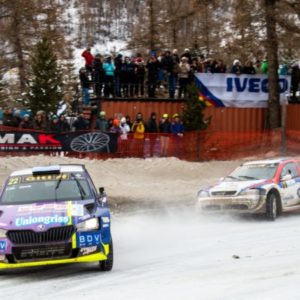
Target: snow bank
{"x":156,"y":181}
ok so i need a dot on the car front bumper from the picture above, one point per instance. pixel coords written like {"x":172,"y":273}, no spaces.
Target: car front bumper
{"x":94,"y":257}
{"x":239,"y":204}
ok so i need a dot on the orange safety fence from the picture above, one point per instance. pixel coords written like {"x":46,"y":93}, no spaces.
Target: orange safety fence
{"x":192,"y":146}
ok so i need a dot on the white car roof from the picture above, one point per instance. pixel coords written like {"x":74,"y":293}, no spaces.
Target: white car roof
{"x":266,"y":161}
{"x":63,"y":168}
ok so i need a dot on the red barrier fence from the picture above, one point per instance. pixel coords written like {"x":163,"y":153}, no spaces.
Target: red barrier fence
{"x":192,"y":146}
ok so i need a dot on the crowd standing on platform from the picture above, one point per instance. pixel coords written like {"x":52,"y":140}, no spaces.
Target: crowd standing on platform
{"x":161,"y":75}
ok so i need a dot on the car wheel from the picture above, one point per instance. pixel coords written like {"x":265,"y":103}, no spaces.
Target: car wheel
{"x":272,"y":207}
{"x":107,"y":265}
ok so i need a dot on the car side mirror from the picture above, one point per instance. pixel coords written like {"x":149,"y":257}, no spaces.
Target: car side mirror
{"x":101,"y":190}
{"x":286,"y":177}
{"x":102,"y":200}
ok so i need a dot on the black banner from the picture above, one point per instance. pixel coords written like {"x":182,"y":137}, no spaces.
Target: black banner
{"x":93,"y":141}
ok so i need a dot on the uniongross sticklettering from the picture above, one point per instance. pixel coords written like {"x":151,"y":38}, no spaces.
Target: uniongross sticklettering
{"x":23,"y":221}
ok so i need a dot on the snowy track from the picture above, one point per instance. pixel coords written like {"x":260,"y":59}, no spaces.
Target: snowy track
{"x":172,"y":253}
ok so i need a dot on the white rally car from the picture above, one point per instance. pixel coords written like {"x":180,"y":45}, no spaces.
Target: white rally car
{"x":262,"y":187}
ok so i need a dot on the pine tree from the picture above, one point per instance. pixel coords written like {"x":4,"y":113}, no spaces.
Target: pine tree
{"x":193,"y":116}
{"x":45,"y":89}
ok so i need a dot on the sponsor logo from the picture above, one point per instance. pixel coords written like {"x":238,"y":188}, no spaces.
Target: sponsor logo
{"x":46,"y":177}
{"x":77,"y":210}
{"x":253,"y":85}
{"x":88,"y":250}
{"x":286,"y":184}
{"x":105,"y":219}
{"x":44,"y":207}
{"x":26,"y":138}
{"x":85,"y":239}
{"x":56,"y":219}
{"x":41,"y":227}
{"x":288,"y":198}
{"x":2,"y":246}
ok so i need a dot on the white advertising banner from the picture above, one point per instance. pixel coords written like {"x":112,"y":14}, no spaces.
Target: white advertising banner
{"x":238,"y":90}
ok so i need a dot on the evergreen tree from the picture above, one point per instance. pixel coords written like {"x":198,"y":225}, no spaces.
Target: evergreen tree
{"x":45,"y":87}
{"x":193,"y":117}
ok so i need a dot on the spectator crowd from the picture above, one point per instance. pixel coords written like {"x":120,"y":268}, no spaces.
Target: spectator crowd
{"x":157,"y":131}
{"x":121,"y":125}
{"x":124,"y":76}
{"x":160,"y":75}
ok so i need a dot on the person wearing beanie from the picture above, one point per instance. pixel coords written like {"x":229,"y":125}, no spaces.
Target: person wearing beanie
{"x":152,"y":129}
{"x":165,"y":130}
{"x":138,"y":129}
{"x":183,"y":75}
{"x":26,"y":123}
{"x":115,"y":126}
{"x":80,"y":123}
{"x":118,"y":61}
{"x":125,"y":129}
{"x":177,"y":125}
{"x":236,"y":67}
{"x":98,"y":74}
{"x":264,"y":66}
{"x":187,"y":54}
{"x":177,"y":130}
{"x":85,"y":86}
{"x":54,"y":124}
{"x":64,"y":126}
{"x":101,"y":122}
{"x":89,"y":58}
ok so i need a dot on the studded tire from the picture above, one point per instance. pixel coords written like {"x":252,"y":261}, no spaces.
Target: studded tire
{"x":272,"y":206}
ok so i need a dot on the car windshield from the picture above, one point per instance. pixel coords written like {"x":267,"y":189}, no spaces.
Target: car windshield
{"x":58,"y":187}
{"x":253,"y":172}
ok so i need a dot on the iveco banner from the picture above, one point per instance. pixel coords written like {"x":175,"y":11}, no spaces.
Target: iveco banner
{"x":237,"y":91}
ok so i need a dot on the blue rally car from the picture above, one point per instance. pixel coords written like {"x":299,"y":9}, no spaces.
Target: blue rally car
{"x":54,"y":215}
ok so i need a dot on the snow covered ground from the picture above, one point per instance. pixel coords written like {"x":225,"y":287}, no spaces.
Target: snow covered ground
{"x":163,"y":248}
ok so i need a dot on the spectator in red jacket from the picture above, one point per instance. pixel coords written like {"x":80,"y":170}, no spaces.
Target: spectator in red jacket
{"x":89,"y":58}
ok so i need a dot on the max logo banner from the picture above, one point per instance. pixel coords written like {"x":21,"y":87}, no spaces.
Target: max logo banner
{"x":26,"y":138}
{"x":85,"y":239}
{"x":2,"y":246}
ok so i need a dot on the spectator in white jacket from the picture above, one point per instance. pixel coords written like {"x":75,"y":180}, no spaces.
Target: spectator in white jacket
{"x":125,"y":129}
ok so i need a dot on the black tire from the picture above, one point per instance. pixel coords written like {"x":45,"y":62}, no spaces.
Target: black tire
{"x":272,"y":206}
{"x":107,"y":265}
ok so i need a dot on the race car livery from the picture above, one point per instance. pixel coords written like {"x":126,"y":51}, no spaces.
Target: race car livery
{"x":54,"y":215}
{"x":262,"y":187}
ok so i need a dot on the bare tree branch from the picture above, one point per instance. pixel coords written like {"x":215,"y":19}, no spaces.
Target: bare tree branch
{"x":288,"y":25}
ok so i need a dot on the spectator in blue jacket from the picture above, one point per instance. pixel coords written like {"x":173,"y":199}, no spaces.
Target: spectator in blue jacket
{"x":177,"y":125}
{"x":177,"y":129}
{"x":101,"y":122}
{"x":109,"y":73}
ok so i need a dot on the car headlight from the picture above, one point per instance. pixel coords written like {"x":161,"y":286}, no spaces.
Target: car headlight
{"x":203,"y":194}
{"x":87,"y":225}
{"x":3,"y":233}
